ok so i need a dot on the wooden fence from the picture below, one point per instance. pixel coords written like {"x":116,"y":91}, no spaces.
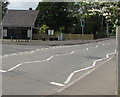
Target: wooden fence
{"x":66,"y":36}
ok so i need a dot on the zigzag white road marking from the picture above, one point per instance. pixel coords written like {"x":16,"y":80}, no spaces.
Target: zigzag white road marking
{"x":3,"y":71}
{"x":90,"y":67}
{"x":48,"y":59}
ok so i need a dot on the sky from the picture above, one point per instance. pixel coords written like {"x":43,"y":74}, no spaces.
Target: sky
{"x":23,"y":4}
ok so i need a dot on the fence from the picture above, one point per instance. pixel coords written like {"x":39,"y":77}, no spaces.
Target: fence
{"x":66,"y":36}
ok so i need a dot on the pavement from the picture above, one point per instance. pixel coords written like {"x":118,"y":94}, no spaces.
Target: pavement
{"x":46,"y":71}
{"x":50,"y":43}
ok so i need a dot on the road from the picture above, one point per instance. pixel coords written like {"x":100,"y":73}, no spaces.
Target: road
{"x":8,"y":49}
{"x":44,"y":71}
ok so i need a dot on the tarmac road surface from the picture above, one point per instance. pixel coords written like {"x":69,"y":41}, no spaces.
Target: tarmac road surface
{"x":44,"y":71}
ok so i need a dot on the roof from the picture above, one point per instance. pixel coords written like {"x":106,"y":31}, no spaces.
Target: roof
{"x":20,"y":18}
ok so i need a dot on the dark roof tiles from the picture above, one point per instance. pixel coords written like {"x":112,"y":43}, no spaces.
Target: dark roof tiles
{"x":20,"y":18}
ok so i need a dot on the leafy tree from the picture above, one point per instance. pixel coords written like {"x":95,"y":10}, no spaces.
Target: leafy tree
{"x":68,"y":14}
{"x":53,"y":14}
{"x":42,"y":30}
{"x":62,"y":29}
{"x":5,"y":3}
{"x":83,"y":10}
{"x":109,"y":11}
{"x":106,"y":12}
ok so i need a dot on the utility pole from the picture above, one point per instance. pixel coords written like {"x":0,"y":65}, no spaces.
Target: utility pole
{"x":0,"y":47}
{"x":118,"y":59}
{"x":107,"y":31}
{"x":82,"y":25}
{"x":1,"y":28}
{"x":118,"y":50}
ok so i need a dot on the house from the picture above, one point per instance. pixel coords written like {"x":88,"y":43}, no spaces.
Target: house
{"x":19,"y":23}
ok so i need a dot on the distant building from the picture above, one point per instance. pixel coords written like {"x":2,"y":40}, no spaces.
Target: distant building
{"x":19,"y":23}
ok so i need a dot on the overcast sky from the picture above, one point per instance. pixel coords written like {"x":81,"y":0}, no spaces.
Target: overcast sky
{"x":23,"y":4}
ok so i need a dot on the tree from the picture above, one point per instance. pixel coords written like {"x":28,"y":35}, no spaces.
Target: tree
{"x":53,"y":14}
{"x":109,"y":11}
{"x":84,"y":10}
{"x":5,"y":3}
{"x":42,"y":30}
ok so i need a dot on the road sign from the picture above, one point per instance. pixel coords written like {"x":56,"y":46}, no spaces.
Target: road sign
{"x":82,"y":23}
{"x":50,"y":32}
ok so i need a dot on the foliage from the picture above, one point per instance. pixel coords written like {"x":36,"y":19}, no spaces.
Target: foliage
{"x":106,"y":12}
{"x":42,"y":30}
{"x":5,"y":3}
{"x":68,"y":15}
{"x":62,"y":29}
{"x":58,"y":32}
{"x":111,"y":12}
{"x":53,"y":14}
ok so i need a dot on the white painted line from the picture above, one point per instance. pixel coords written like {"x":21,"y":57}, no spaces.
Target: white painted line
{"x":3,"y":71}
{"x":20,"y":52}
{"x":42,"y":48}
{"x":93,"y":65}
{"x":103,"y":44}
{"x":60,"y":47}
{"x":15,"y":67}
{"x":87,"y":48}
{"x":13,"y":54}
{"x":72,"y":52}
{"x":57,"y":46}
{"x":53,"y":47}
{"x":37,"y":49}
{"x":57,"y":84}
{"x":46,"y":48}
{"x":26,"y":52}
{"x":66,"y":86}
{"x":31,"y":51}
{"x":96,"y":46}
{"x":25,"y":63}
{"x":50,"y":47}
{"x":5,"y":55}
{"x":48,"y":59}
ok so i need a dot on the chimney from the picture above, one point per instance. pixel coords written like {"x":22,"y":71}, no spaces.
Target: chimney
{"x":30,"y":8}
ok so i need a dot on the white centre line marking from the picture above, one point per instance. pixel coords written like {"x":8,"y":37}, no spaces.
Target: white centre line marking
{"x":57,"y":84}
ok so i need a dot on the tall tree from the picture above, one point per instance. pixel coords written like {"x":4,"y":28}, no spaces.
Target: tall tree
{"x":5,"y":3}
{"x":53,"y":14}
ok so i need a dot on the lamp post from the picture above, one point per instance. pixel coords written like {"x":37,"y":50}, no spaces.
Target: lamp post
{"x":118,"y":59}
{"x":1,"y":29}
{"x":118,"y":50}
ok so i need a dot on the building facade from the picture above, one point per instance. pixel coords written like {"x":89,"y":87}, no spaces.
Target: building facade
{"x":19,"y":24}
